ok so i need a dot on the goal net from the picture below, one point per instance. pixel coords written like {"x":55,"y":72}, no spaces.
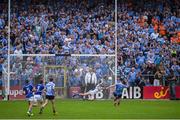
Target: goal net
{"x":59,"y":74}
{"x":71,"y":74}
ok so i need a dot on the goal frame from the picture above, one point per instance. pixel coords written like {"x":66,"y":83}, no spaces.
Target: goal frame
{"x":9,"y":51}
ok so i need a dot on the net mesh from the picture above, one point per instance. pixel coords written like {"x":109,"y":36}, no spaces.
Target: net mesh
{"x":68,"y":72}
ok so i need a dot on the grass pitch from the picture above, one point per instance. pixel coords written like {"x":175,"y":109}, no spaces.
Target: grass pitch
{"x":78,"y":109}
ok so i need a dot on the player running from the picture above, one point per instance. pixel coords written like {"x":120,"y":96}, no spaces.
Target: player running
{"x":39,"y":92}
{"x":50,"y":95}
{"x":91,"y":93}
{"x":118,"y":92}
{"x":28,"y":92}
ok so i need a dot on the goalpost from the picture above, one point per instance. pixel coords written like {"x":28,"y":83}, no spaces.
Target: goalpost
{"x":7,"y":88}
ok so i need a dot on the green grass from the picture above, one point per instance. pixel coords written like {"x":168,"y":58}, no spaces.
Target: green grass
{"x":77,"y":109}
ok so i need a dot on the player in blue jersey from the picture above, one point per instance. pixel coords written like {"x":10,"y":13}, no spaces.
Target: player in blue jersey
{"x":50,"y":95}
{"x":118,"y":92}
{"x":28,"y":92}
{"x":39,"y":92}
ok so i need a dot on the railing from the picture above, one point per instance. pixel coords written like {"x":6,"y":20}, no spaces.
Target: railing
{"x":164,"y":78}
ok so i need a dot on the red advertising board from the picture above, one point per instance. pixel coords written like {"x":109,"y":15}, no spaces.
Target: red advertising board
{"x":177,"y":91}
{"x":149,"y":92}
{"x":1,"y":96}
{"x":156,"y":92}
{"x":1,"y":93}
{"x":73,"y":90}
{"x":15,"y":93}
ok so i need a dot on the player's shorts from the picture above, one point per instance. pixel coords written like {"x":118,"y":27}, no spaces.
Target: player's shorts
{"x":38,"y":98}
{"x":92,"y":92}
{"x":31,"y":99}
{"x":116,"y":95}
{"x":50,"y":97}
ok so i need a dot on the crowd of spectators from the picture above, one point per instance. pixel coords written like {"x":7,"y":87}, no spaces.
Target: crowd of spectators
{"x":148,"y":42}
{"x":62,"y":26}
{"x":3,"y":35}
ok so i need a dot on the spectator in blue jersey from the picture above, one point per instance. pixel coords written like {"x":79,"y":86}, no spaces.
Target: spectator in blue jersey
{"x":39,"y":92}
{"x":132,"y":77}
{"x":28,"y":92}
{"x":140,"y":60}
{"x":50,"y":96}
{"x":118,"y":91}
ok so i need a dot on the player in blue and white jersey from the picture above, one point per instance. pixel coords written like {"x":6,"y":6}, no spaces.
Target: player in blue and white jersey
{"x":118,"y":92}
{"x":39,"y":92}
{"x":50,"y":95}
{"x":28,"y":92}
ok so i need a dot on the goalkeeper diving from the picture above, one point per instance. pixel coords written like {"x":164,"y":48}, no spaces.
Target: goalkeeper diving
{"x":99,"y":87}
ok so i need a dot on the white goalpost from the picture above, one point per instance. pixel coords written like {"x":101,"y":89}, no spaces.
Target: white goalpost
{"x":116,"y":42}
{"x":7,"y":88}
{"x":114,"y":56}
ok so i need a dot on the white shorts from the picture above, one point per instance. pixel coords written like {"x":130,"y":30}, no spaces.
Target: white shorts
{"x":92,"y":92}
{"x":38,"y":98}
{"x":31,"y":99}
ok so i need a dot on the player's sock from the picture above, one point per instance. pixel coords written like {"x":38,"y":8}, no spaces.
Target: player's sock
{"x":41,"y":110}
{"x":54,"y":112}
{"x":76,"y":94}
{"x":115,"y":104}
{"x":118,"y":103}
{"x":30,"y":110}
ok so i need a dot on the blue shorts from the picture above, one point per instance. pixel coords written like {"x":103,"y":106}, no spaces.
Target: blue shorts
{"x":117,"y":95}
